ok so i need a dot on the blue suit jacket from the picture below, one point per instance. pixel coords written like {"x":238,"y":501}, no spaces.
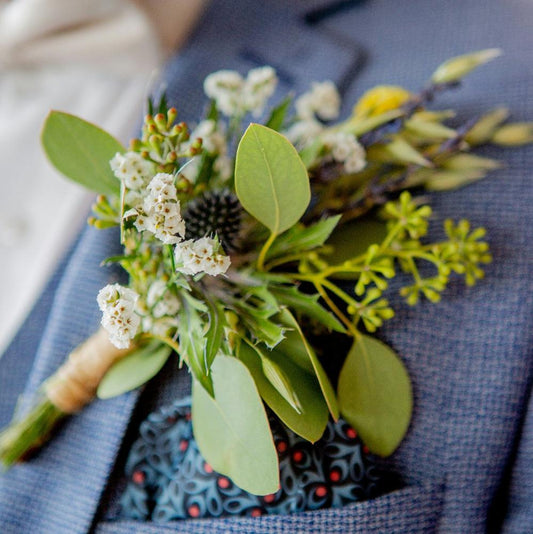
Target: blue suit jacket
{"x":467,"y":461}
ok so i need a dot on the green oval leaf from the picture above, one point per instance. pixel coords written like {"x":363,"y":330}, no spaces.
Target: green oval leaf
{"x":279,"y":379}
{"x":353,"y":239}
{"x":271,"y":180}
{"x":325,"y":385}
{"x":375,"y":394}
{"x":313,"y":417}
{"x":133,"y":370}
{"x":81,"y":151}
{"x":232,"y":429}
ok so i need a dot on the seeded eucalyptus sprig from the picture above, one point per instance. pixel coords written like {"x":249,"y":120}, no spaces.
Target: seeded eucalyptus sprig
{"x":236,"y":259}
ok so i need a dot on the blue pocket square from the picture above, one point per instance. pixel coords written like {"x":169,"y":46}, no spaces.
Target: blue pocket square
{"x":168,"y":479}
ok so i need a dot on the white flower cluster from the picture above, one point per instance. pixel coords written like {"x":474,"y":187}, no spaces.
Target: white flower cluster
{"x":302,"y":133}
{"x":345,"y":149}
{"x":163,"y":305}
{"x":235,"y":95}
{"x":214,"y":142}
{"x":132,"y":169}
{"x":323,"y":101}
{"x":119,"y":318}
{"x":202,"y":255}
{"x":160,"y":212}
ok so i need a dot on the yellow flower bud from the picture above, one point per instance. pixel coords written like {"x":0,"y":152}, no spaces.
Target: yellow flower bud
{"x":381,"y":99}
{"x":457,"y":67}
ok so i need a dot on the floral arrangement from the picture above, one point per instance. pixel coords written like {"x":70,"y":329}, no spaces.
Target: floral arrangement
{"x":246,"y":246}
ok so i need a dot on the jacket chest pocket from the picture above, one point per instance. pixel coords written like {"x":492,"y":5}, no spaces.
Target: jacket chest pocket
{"x":414,"y":509}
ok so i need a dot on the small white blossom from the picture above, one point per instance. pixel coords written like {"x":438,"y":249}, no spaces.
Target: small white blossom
{"x":224,"y":166}
{"x":159,"y":327}
{"x":259,"y":87}
{"x":160,"y":213}
{"x":132,"y":169}
{"x":213,"y":140}
{"x":323,"y":101}
{"x":202,"y":255}
{"x":215,"y":143}
{"x":225,"y":87}
{"x":117,"y":304}
{"x":161,"y":300}
{"x":345,"y":148}
{"x":191,"y":169}
{"x":235,"y":95}
{"x":301,"y":133}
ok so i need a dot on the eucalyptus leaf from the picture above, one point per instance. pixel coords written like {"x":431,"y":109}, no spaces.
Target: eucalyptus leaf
{"x":307,"y":305}
{"x":232,"y":430}
{"x":353,"y":239}
{"x":133,"y":370}
{"x":81,"y":151}
{"x":375,"y":394}
{"x":322,"y":377}
{"x":258,"y":322}
{"x":215,"y":332}
{"x":311,"y":421}
{"x":300,"y":237}
{"x":311,"y":152}
{"x":271,"y":180}
{"x":277,"y":377}
{"x":293,"y":347}
{"x":192,"y":344}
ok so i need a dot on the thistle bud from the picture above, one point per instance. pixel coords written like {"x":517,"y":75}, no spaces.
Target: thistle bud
{"x":457,"y":67}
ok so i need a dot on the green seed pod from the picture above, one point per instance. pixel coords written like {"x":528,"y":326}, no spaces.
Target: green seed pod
{"x":457,"y":67}
{"x":514,"y":134}
{"x":484,"y":128}
{"x":429,"y":130}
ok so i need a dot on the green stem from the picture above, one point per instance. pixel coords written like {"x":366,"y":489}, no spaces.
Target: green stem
{"x":171,"y":256}
{"x":28,"y":433}
{"x":262,"y":255}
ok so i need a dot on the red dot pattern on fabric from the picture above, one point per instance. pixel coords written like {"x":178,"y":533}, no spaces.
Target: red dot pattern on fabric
{"x":297,"y":456}
{"x":282,"y":446}
{"x":183,"y":445}
{"x":335,"y":476}
{"x":138,"y":477}
{"x":269,"y":498}
{"x":208,"y":468}
{"x":351,"y":433}
{"x":223,"y":483}
{"x":321,"y":491}
{"x":194,"y":510}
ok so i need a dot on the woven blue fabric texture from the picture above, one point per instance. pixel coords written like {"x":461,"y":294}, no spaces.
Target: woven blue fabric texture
{"x":467,"y":460}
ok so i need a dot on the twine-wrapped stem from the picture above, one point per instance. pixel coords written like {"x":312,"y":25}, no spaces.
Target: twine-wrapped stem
{"x":67,"y":391}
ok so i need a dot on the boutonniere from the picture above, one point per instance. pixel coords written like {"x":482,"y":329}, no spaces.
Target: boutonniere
{"x":245,"y":243}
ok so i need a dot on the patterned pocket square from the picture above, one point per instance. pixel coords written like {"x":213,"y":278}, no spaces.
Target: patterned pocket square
{"x":168,"y":479}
